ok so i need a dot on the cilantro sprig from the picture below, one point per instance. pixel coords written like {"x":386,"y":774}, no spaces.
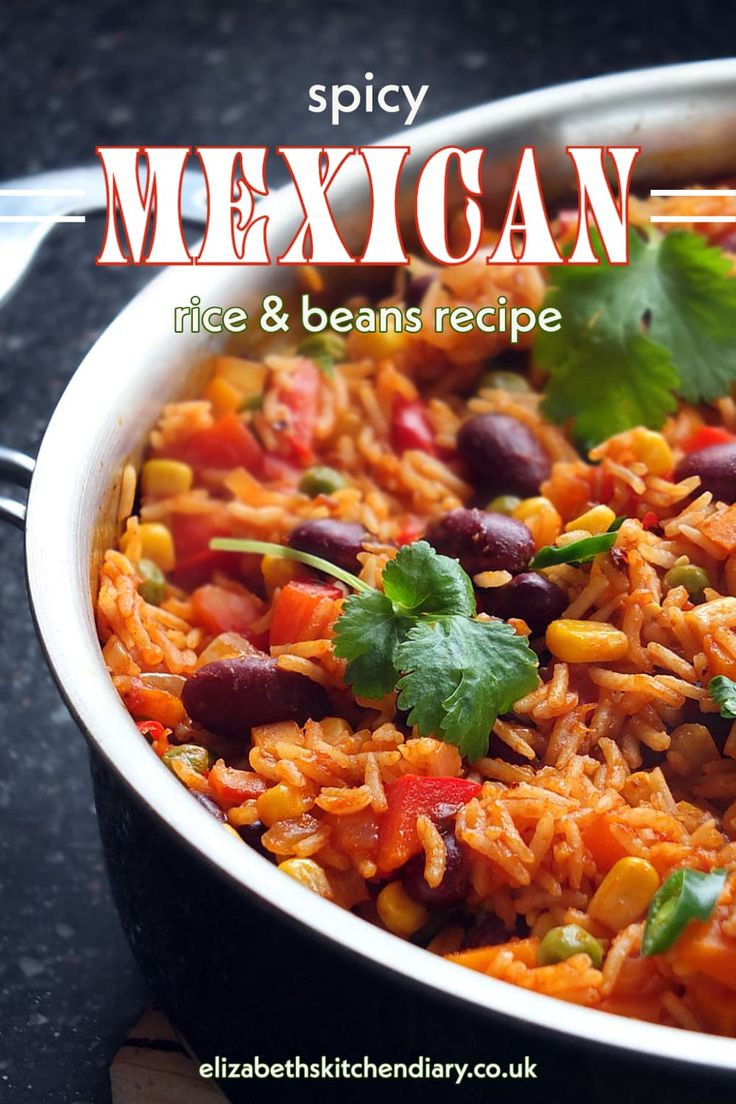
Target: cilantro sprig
{"x":633,"y":336}
{"x":454,"y":674}
{"x":723,"y":692}
{"x":419,"y":635}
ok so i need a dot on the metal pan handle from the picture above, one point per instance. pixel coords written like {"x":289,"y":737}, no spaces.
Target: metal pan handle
{"x":17,"y":468}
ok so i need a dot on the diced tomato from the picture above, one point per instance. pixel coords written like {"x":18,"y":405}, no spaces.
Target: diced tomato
{"x":300,"y":397}
{"x":409,"y":797}
{"x":304,"y":611}
{"x":220,"y":609}
{"x":410,"y":428}
{"x":231,"y":787}
{"x":226,"y":444}
{"x":193,"y":532}
{"x":411,"y":530}
{"x":706,"y":437}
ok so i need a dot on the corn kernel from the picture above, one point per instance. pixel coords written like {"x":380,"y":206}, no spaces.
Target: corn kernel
{"x":541,"y":519}
{"x":225,"y":398}
{"x":398,"y":912}
{"x":586,"y":641}
{"x":691,"y":747}
{"x":246,"y":376}
{"x":309,"y":873}
{"x":377,"y":346}
{"x":282,"y":802}
{"x":625,"y":893}
{"x":652,"y":449}
{"x":163,"y":478}
{"x":157,"y":544}
{"x":277,"y":572}
{"x":597,"y":520}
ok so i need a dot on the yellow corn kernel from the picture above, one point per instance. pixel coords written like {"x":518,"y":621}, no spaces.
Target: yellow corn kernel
{"x":541,"y":519}
{"x":282,"y":802}
{"x":597,"y":520}
{"x":625,"y":893}
{"x":652,"y":449}
{"x":224,"y":397}
{"x":377,"y":346}
{"x":164,"y":478}
{"x":277,"y":572}
{"x":398,"y":912}
{"x":157,"y":544}
{"x":586,"y":641}
{"x":309,"y":873}
{"x":691,"y":747}
{"x":246,"y":376}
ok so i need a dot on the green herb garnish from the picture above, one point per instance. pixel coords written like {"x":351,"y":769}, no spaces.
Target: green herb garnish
{"x":686,"y":895}
{"x":635,"y":335}
{"x":454,"y":674}
{"x":723,"y":692}
{"x":326,"y":349}
{"x":579,"y":551}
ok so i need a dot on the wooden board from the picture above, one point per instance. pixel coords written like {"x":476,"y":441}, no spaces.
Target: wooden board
{"x":153,"y":1067}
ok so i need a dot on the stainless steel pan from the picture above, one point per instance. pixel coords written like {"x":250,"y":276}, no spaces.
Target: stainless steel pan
{"x":227,"y":942}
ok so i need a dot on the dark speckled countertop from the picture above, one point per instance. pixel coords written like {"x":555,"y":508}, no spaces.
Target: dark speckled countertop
{"x":75,"y":75}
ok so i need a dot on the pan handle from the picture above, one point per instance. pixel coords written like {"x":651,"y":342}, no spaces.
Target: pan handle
{"x":17,"y":468}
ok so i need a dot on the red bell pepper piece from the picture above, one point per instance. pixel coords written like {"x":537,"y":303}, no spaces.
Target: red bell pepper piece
{"x":409,"y":797}
{"x":411,"y":531}
{"x":300,"y":397}
{"x":650,"y":520}
{"x":707,"y":436}
{"x":304,"y":611}
{"x":410,"y":428}
{"x":226,"y":444}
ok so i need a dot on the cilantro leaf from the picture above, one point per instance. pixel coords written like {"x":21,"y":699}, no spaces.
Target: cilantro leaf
{"x":367,"y":634}
{"x":459,"y":675}
{"x":421,"y":581}
{"x":634,"y":334}
{"x":723,"y":692}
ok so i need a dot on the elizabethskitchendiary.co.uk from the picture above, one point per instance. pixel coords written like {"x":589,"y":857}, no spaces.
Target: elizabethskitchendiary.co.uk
{"x":328,"y":1068}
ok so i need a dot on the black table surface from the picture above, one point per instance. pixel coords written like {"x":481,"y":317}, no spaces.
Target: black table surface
{"x":75,"y":75}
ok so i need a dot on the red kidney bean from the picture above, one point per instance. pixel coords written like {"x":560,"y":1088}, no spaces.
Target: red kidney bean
{"x":716,"y":467}
{"x":416,"y":289}
{"x":531,"y":596}
{"x":339,"y":542}
{"x":482,"y":541}
{"x":453,"y":888}
{"x":503,"y":455}
{"x":252,"y":834}
{"x":230,"y":696}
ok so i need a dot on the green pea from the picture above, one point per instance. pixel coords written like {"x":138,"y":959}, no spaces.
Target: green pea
{"x":503,"y":504}
{"x":504,"y":381}
{"x":694,"y":579}
{"x":561,"y":943}
{"x":326,"y":349}
{"x":253,"y":402}
{"x":197,"y":757}
{"x":153,"y":584}
{"x":321,"y":481}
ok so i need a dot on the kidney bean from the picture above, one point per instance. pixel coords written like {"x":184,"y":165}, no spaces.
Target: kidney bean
{"x":487,"y":931}
{"x":339,"y":542}
{"x":482,"y":541}
{"x":230,"y":696}
{"x":416,"y":289}
{"x":252,"y":834}
{"x":454,"y":886}
{"x":716,"y":467}
{"x":531,"y":596}
{"x":503,"y":455}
